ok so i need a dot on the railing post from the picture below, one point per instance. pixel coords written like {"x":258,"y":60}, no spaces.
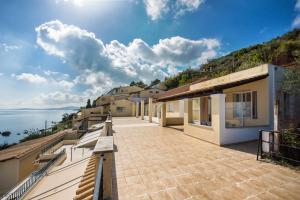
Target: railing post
{"x":259,"y":146}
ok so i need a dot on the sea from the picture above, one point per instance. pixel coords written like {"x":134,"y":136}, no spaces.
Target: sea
{"x":17,"y":121}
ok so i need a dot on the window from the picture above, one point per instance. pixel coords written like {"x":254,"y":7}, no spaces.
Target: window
{"x":170,"y":107}
{"x":205,"y":111}
{"x":196,"y":110}
{"x":120,"y":109}
{"x":254,"y":104}
{"x":157,"y":92}
{"x":245,"y":105}
{"x":201,"y":111}
{"x":150,"y":92}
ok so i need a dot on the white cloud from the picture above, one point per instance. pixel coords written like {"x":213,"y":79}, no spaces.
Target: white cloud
{"x":56,"y":80}
{"x":120,"y":63}
{"x":184,"y":6}
{"x":1,"y":74}
{"x":58,"y":98}
{"x":156,"y":9}
{"x":297,"y":6}
{"x":7,"y":47}
{"x":32,"y":78}
{"x":296,"y":22}
{"x":49,"y":73}
{"x":67,"y":85}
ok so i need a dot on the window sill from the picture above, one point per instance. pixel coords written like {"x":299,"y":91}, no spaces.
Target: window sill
{"x":228,"y":127}
{"x":201,"y":126}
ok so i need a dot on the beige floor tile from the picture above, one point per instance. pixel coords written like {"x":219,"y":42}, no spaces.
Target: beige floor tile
{"x":163,"y":163}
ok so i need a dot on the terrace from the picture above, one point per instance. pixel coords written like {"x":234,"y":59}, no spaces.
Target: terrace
{"x":153,"y":162}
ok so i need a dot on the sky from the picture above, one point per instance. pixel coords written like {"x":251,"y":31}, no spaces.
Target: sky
{"x":56,"y":53}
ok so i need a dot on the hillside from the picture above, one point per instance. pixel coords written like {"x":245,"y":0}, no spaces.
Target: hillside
{"x":283,"y":50}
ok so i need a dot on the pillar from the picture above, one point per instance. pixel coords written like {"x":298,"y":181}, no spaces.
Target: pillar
{"x":137,"y":109}
{"x":107,"y":128}
{"x":150,"y":107}
{"x":142,"y":109}
{"x":107,"y":175}
{"x":218,"y":116}
{"x":133,"y":109}
{"x":187,"y":111}
{"x":163,"y":118}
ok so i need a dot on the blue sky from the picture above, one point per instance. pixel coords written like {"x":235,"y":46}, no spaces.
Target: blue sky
{"x":61,"y":52}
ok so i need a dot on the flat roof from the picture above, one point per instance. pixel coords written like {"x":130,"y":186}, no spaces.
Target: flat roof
{"x":217,"y":84}
{"x":24,"y":148}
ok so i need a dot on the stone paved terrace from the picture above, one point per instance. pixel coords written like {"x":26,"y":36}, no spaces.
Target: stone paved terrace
{"x":62,"y":181}
{"x":154,"y":163}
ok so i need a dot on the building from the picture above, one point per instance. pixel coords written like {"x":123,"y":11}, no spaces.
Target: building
{"x":19,"y":161}
{"x":122,"y":101}
{"x":225,"y":110}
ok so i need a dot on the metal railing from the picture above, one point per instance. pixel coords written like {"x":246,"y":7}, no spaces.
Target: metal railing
{"x":48,"y":148}
{"x":19,"y":192}
{"x":272,"y":145}
{"x":98,"y":191}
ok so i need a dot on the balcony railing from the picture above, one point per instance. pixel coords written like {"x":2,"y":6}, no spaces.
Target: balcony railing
{"x":275,"y":146}
{"x":19,"y":191}
{"x":49,"y":148}
{"x":98,"y":191}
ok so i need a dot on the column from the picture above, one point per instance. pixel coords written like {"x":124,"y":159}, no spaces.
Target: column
{"x":187,"y":111}
{"x":137,"y":109}
{"x":150,"y":107}
{"x":218,"y":116}
{"x":142,"y":109}
{"x":132,"y":109}
{"x":163,"y":118}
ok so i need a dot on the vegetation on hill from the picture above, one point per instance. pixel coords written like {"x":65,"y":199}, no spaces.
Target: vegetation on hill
{"x":282,"y":50}
{"x":141,"y":84}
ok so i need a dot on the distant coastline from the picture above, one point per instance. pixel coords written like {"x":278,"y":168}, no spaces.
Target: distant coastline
{"x":61,"y":108}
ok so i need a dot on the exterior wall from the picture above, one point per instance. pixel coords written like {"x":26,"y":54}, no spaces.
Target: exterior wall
{"x":208,"y":133}
{"x":124,"y":90}
{"x":9,"y":173}
{"x":153,"y":92}
{"x":27,"y":165}
{"x":126,"y":104}
{"x":175,"y":117}
{"x":175,"y":112}
{"x":262,"y":88}
{"x":103,"y":99}
{"x":87,"y":111}
{"x":174,"y":121}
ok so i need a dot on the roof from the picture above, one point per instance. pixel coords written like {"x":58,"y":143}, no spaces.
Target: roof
{"x":217,"y":84}
{"x":175,"y":92}
{"x":24,"y":148}
{"x":89,"y":138}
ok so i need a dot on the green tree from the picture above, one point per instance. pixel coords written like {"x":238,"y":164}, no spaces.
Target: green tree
{"x":132,"y":83}
{"x":94,"y":104}
{"x":5,"y":134}
{"x":155,"y":82}
{"x":88,"y":104}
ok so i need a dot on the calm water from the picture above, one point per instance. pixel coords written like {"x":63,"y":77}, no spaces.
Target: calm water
{"x":17,"y":121}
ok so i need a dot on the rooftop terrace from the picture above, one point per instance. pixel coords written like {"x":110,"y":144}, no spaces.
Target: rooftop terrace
{"x":161,"y":163}
{"x":152,"y":162}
